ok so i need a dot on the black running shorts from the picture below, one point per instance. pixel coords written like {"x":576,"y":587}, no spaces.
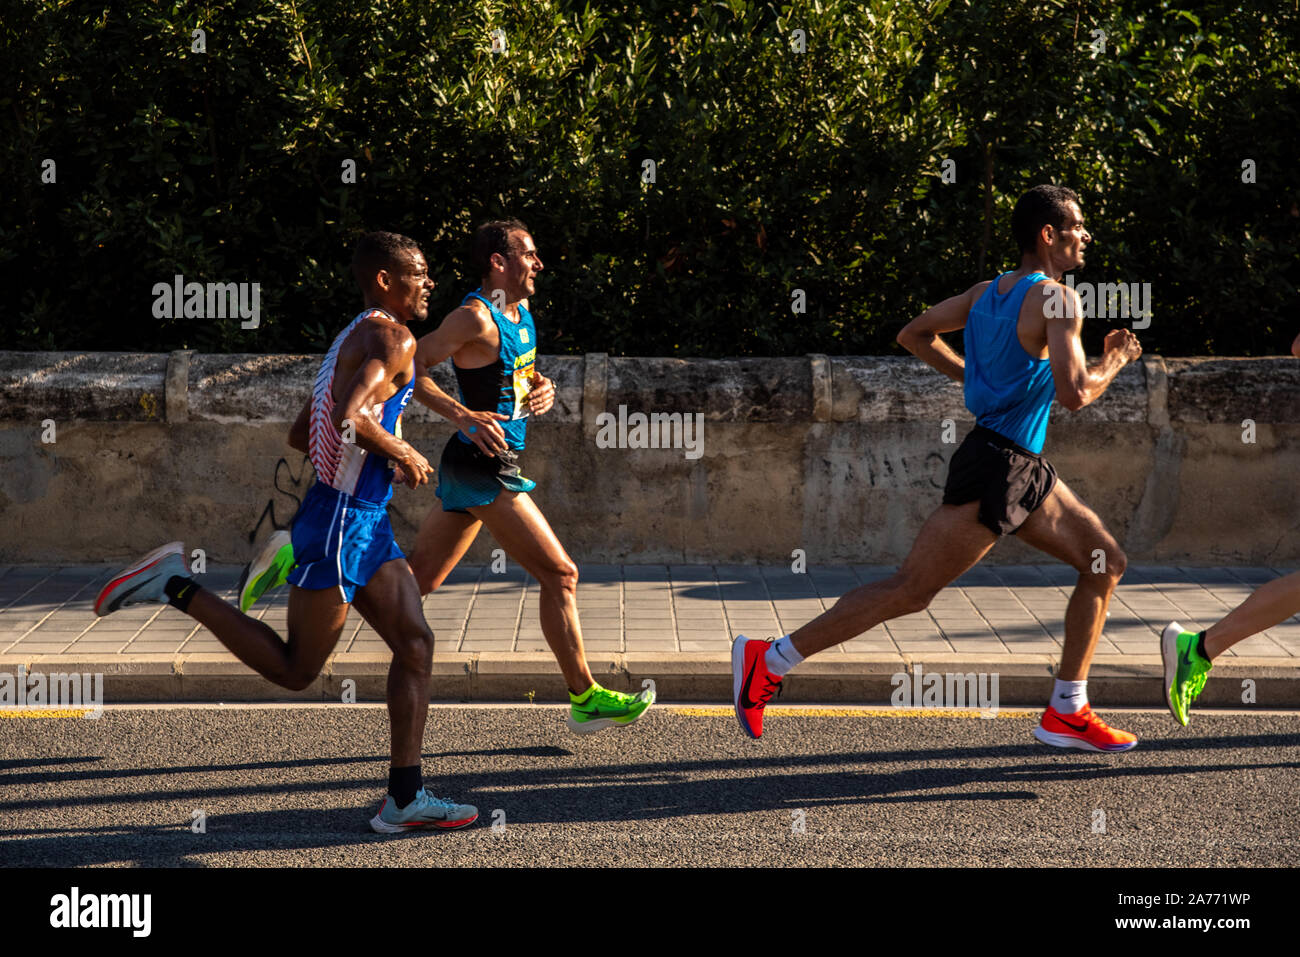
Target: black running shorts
{"x":468,"y":477}
{"x":1007,"y":480}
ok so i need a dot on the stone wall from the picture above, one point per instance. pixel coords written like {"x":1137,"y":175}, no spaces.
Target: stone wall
{"x":842,"y":457}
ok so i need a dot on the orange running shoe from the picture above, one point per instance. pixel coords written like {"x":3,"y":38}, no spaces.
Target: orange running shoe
{"x":1083,"y":730}
{"x":751,"y":683}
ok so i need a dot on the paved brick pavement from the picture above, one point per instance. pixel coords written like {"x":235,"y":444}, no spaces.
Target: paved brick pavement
{"x":992,"y":610}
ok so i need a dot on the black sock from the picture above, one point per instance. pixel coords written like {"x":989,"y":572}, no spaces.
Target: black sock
{"x":1200,"y":646}
{"x":180,"y":591}
{"x":403,"y":783}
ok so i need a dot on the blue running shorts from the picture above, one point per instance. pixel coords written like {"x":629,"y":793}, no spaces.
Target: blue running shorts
{"x":339,"y":541}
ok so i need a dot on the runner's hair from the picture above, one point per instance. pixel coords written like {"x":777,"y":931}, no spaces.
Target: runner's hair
{"x":376,"y":251}
{"x":493,"y":237}
{"x":1041,"y":206}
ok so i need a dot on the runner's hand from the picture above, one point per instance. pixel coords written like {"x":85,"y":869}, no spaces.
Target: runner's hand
{"x":481,"y":428}
{"x":412,"y":469}
{"x":1124,"y":342}
{"x":542,"y":395}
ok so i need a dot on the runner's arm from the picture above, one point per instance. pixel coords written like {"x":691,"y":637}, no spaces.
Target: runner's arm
{"x":433,"y":349}
{"x":388,"y":354}
{"x":541,"y":397}
{"x":459,"y":328}
{"x":921,"y":336}
{"x":1295,"y":347}
{"x":1078,"y":383}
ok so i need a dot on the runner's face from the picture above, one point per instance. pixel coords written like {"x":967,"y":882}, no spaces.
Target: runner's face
{"x":522,"y":266}
{"x":411,"y":285}
{"x":1070,"y":241}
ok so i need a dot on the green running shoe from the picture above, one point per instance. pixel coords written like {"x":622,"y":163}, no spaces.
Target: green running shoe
{"x":268,"y":570}
{"x":1185,"y":670}
{"x":598,"y":708}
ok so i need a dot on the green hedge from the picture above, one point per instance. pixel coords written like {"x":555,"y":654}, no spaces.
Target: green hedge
{"x":776,"y":170}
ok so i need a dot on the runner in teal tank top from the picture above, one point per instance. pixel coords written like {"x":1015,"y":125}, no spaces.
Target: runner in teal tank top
{"x":504,"y":385}
{"x":1023,"y":351}
{"x":492,"y":342}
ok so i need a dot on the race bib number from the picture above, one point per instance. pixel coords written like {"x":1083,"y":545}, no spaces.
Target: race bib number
{"x":523,"y":382}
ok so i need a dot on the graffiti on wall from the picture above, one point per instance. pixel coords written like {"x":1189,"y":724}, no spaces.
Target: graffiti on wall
{"x":288,"y":489}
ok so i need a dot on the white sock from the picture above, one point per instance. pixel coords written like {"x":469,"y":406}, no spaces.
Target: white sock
{"x":1069,"y":696}
{"x":781,"y":657}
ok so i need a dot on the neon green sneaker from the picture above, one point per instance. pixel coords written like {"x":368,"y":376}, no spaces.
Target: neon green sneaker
{"x":598,"y":708}
{"x":268,"y":570}
{"x":1185,"y":670}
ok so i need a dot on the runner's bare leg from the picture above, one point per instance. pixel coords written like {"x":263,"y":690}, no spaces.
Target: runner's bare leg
{"x":443,"y":540}
{"x":950,"y":542}
{"x":1271,"y":604}
{"x":390,"y":603}
{"x":1065,"y":528}
{"x":519,"y":525}
{"x":316,"y":618}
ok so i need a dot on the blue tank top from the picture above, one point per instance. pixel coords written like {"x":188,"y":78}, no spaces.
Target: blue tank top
{"x":346,"y":466}
{"x":502,"y":386}
{"x":1007,"y":389}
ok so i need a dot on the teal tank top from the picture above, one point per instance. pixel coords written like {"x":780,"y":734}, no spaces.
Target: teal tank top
{"x":503,"y":386}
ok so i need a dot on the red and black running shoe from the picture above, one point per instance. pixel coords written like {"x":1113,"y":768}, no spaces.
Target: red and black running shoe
{"x":752,"y":684}
{"x":1083,"y":730}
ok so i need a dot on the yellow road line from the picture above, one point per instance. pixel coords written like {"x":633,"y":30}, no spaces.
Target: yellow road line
{"x":710,"y":712}
{"x":49,"y":713}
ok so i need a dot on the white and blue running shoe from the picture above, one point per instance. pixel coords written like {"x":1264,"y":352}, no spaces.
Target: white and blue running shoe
{"x":144,"y":581}
{"x":424,"y":811}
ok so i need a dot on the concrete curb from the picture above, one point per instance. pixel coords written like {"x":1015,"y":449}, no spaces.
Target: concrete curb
{"x":1023,"y":680}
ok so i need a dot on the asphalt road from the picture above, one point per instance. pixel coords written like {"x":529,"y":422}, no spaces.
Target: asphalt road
{"x":295,"y":786}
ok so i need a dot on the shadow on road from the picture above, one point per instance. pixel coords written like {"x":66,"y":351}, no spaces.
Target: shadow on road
{"x":577,"y":793}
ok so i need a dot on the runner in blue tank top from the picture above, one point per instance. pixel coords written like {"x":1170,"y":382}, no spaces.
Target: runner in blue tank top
{"x":342,"y":539}
{"x":1022,"y":352}
{"x":492,"y":343}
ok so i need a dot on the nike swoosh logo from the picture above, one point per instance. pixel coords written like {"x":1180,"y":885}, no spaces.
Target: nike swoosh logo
{"x":1187,"y":659}
{"x":1075,"y":727}
{"x":745,"y":701}
{"x":127,"y":594}
{"x":426,"y":816}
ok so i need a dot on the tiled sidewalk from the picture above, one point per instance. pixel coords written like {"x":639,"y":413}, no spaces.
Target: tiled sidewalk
{"x":991,"y":611}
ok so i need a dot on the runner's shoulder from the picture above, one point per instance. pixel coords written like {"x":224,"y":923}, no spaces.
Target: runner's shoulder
{"x":472,"y":319}
{"x":384,"y":339}
{"x":1047,"y":287}
{"x":1042,"y":294}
